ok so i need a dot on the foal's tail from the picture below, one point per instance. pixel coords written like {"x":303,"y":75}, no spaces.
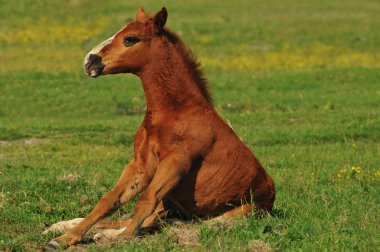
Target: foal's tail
{"x":264,"y":192}
{"x":265,"y":201}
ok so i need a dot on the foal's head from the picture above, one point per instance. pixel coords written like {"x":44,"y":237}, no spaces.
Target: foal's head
{"x":130,"y":49}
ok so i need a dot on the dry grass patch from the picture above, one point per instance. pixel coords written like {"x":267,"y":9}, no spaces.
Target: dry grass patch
{"x":184,"y":236}
{"x":259,"y":246}
{"x":69,"y":177}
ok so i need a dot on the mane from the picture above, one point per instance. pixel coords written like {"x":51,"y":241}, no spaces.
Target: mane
{"x":192,"y":62}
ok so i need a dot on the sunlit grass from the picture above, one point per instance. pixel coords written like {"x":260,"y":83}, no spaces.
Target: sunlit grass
{"x":293,"y":58}
{"x":297,"y":80}
{"x":43,"y":31}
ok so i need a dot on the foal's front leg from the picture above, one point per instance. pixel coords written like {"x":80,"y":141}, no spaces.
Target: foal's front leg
{"x":168,"y":174}
{"x":131,"y":183}
{"x":112,"y":229}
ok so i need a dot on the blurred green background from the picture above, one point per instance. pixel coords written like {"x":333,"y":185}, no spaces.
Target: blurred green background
{"x":298,"y":80}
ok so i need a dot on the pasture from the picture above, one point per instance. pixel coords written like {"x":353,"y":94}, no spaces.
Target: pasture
{"x":299,"y":81}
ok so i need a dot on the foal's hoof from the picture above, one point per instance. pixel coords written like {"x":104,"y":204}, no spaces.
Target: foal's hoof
{"x":52,"y":245}
{"x":62,"y":242}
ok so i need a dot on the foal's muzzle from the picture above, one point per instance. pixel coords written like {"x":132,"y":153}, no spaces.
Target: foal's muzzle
{"x":93,"y":66}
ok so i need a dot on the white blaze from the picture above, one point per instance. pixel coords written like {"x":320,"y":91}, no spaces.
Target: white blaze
{"x":98,"y":48}
{"x":101,"y":45}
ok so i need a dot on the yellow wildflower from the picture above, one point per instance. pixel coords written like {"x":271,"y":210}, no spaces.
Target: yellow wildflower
{"x":355,"y":169}
{"x":343,"y":170}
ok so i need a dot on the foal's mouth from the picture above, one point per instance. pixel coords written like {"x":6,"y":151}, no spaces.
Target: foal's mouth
{"x":95,"y":72}
{"x":94,"y":66}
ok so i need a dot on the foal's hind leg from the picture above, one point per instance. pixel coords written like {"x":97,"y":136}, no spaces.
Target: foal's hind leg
{"x":63,"y":226}
{"x":240,"y":211}
{"x":237,"y":212}
{"x":112,"y":229}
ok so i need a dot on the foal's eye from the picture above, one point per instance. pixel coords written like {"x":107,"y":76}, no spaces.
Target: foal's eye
{"x":130,"y":41}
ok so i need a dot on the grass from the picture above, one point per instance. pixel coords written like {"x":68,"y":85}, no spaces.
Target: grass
{"x":298,"y":80}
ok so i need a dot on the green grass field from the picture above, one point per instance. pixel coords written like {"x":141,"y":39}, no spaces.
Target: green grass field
{"x":298,"y":80}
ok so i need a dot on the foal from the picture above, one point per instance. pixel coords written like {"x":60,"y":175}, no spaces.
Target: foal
{"x":186,"y":158}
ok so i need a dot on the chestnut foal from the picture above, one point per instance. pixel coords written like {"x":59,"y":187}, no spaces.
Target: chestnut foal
{"x":186,"y":158}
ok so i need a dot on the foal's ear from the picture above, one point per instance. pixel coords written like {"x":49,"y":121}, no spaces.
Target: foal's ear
{"x":159,"y":19}
{"x":141,"y":16}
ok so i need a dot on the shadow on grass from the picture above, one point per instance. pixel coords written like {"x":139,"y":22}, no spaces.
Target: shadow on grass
{"x":278,"y":213}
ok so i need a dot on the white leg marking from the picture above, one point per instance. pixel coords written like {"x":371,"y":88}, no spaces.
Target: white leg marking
{"x":63,"y":226}
{"x":108,"y":234}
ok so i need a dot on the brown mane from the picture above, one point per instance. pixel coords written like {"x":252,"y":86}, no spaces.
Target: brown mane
{"x":192,"y":62}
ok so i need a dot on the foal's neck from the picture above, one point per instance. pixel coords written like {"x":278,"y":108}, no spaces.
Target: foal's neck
{"x":170,"y":84}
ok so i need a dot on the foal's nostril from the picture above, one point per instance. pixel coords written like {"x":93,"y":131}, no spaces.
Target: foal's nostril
{"x":94,"y":65}
{"x":94,"y":58}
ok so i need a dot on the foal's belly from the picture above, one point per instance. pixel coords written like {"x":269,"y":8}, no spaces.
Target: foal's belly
{"x":216,"y":186}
